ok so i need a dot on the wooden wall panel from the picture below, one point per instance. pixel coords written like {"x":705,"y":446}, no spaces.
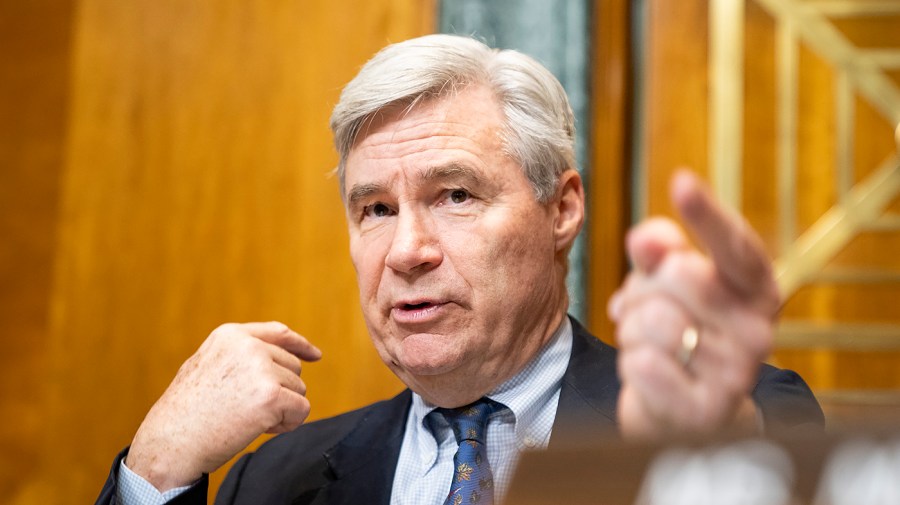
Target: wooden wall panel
{"x":816,"y":166}
{"x":608,"y":190}
{"x":34,"y":53}
{"x":193,"y":188}
{"x":760,"y":161}
{"x":868,"y":31}
{"x":676,"y":95}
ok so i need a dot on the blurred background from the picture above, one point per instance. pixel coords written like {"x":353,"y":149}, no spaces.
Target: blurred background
{"x":164,"y":168}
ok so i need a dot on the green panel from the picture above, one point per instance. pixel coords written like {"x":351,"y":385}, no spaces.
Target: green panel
{"x":556,"y":33}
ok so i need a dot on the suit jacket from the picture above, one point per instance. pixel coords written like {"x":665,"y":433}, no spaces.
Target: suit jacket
{"x":353,"y":456}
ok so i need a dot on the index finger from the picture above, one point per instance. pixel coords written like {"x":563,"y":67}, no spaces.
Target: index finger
{"x":736,"y":250}
{"x":279,"y":334}
{"x":650,"y":241}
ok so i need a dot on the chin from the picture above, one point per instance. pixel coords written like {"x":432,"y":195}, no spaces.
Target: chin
{"x":429,"y":354}
{"x":427,"y":368}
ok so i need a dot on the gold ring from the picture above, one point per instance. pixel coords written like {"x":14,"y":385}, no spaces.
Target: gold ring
{"x":690,"y":337}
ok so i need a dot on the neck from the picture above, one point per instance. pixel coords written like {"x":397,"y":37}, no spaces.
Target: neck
{"x":464,"y":386}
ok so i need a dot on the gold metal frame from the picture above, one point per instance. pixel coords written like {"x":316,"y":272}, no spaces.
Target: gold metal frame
{"x":861,"y":207}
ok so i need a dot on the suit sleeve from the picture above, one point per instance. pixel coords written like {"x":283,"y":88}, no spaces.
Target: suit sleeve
{"x":228,"y":489}
{"x":196,"y":495}
{"x":786,"y":402}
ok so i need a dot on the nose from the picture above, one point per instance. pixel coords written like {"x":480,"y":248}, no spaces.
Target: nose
{"x":415,"y":245}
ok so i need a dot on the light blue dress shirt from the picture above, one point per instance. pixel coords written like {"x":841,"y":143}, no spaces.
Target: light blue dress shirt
{"x":425,"y":467}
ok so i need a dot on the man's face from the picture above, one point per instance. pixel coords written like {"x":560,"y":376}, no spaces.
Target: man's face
{"x":458,"y":265}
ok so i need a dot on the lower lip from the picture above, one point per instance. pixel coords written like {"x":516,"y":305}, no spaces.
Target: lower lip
{"x":420,"y":315}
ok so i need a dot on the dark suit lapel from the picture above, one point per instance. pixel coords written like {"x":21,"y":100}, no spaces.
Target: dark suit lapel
{"x":590,"y":390}
{"x":363,"y":463}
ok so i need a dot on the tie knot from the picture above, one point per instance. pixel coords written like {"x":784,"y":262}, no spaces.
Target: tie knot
{"x":469,"y":422}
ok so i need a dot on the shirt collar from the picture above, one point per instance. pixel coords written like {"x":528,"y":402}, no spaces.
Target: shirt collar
{"x":526,"y":393}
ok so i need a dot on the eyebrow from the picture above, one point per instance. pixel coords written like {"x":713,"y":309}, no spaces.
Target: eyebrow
{"x":362,"y":191}
{"x":451,"y":171}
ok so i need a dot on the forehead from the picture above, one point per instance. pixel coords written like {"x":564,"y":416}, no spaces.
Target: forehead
{"x":464,"y":127}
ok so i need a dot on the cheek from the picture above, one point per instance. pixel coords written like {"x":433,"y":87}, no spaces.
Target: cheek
{"x":368,"y":265}
{"x":508,"y":262}
{"x":368,"y":277}
{"x":529,"y":268}
{"x":522,"y":249}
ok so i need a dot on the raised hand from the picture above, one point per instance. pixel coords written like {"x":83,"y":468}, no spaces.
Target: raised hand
{"x":728,"y":295}
{"x":243,"y":381}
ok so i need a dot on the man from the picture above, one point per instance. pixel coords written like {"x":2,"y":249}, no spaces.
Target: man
{"x":462,"y":201}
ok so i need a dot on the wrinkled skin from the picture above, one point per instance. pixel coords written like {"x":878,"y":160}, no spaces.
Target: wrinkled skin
{"x":242,"y":382}
{"x":461,"y":270}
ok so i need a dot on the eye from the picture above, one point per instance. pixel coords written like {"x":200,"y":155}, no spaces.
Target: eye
{"x":377,"y":210}
{"x":459,"y":196}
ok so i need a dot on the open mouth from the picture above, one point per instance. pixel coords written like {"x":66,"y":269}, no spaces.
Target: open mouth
{"x":416,"y":306}
{"x":416,"y":311}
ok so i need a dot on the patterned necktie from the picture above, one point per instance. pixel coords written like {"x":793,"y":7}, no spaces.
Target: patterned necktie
{"x":473,"y":482}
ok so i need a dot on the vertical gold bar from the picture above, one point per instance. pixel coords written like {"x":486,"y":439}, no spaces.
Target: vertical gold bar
{"x":787,"y":60}
{"x":727,"y":100}
{"x":845,"y":112}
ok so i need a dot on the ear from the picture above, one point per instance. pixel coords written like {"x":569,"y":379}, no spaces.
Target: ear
{"x":569,"y":209}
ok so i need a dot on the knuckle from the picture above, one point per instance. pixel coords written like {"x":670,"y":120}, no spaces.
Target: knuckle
{"x":655,"y":306}
{"x":247,"y":348}
{"x":279,"y":328}
{"x":269,"y":393}
{"x":301,"y":387}
{"x":626,"y":334}
{"x":222,"y":334}
{"x":299,"y":415}
{"x":677,"y":263}
{"x":225,"y":328}
{"x":640,"y":361}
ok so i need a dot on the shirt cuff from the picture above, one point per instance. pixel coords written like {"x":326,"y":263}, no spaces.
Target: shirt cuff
{"x":135,"y":490}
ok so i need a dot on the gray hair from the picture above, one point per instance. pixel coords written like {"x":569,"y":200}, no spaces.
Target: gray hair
{"x":539,"y":129}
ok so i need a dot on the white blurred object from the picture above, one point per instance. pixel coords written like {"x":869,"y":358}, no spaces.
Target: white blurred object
{"x":752,"y":472}
{"x":861,"y":472}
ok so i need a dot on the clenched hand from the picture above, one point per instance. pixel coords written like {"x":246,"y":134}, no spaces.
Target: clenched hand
{"x":243,"y":381}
